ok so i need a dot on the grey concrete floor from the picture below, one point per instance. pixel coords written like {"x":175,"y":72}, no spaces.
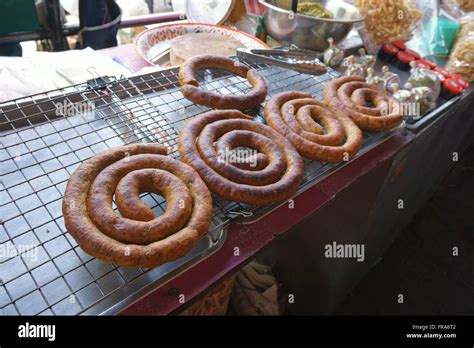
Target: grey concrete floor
{"x":420,"y":264}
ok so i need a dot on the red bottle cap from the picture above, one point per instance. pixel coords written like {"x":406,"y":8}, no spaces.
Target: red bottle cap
{"x":399,"y":44}
{"x":442,"y":71}
{"x":422,"y":65}
{"x":440,"y":76}
{"x":459,"y":79}
{"x":413,"y":53}
{"x":428,"y":62}
{"x":452,"y":86}
{"x":390,"y":49}
{"x":405,"y":57}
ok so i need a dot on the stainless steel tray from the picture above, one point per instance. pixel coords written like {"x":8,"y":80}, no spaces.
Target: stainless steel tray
{"x":40,"y":149}
{"x":442,"y":106}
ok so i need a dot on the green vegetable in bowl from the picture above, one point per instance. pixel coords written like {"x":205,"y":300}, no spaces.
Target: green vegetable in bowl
{"x":314,"y":9}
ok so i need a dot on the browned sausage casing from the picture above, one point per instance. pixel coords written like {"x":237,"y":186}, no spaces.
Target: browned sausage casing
{"x":136,"y":238}
{"x":350,"y":94}
{"x":313,"y":128}
{"x":191,"y":90}
{"x":278,"y":170}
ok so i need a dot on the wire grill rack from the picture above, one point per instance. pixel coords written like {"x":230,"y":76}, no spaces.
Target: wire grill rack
{"x":42,"y":269}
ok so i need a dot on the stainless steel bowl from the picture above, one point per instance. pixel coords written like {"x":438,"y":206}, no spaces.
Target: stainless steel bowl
{"x":305,"y":31}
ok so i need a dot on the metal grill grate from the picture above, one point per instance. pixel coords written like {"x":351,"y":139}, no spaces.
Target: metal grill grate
{"x":40,"y":149}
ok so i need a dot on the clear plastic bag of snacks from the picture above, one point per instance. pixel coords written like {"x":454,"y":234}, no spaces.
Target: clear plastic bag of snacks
{"x":457,"y":8}
{"x":389,"y":20}
{"x":461,"y":59}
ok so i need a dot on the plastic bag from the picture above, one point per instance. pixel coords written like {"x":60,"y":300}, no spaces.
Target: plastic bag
{"x":466,"y":5}
{"x":461,"y":60}
{"x":425,"y":78}
{"x":389,"y":20}
{"x":435,"y":38}
{"x":457,"y":8}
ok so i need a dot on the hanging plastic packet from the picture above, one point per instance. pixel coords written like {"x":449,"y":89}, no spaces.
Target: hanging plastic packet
{"x":424,"y":97}
{"x":366,"y":60}
{"x":390,"y":79}
{"x":352,"y":67}
{"x":420,"y":77}
{"x":374,"y":79}
{"x":333,"y":55}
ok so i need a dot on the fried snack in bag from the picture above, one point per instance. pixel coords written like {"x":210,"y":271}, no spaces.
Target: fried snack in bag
{"x":389,"y":20}
{"x":461,"y":59}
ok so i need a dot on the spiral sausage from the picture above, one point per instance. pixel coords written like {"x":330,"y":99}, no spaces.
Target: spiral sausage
{"x":351,"y":94}
{"x":137,"y":237}
{"x":316,"y":131}
{"x":278,"y":167}
{"x":191,"y":90}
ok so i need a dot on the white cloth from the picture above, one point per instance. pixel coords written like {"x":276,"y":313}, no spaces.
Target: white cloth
{"x":43,"y":71}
